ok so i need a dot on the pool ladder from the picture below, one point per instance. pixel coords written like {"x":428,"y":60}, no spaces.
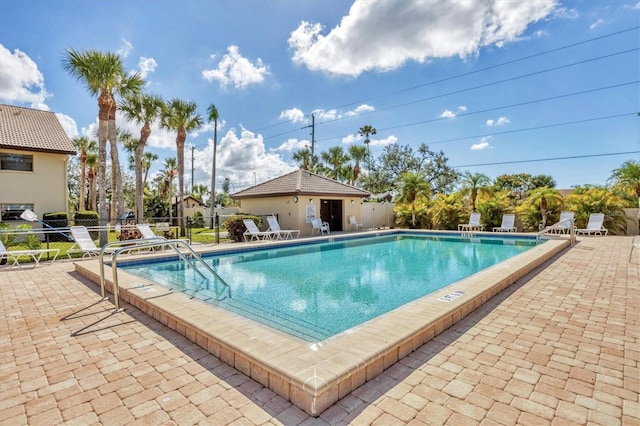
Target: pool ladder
{"x":191,"y":258}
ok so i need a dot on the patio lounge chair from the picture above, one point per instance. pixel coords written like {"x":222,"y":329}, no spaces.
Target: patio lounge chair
{"x":594,"y":227}
{"x":281,"y":234}
{"x":473,"y":225}
{"x":254,"y":234}
{"x":508,"y":221}
{"x":13,"y":256}
{"x":353,"y":222}
{"x":84,"y":243}
{"x":318,"y":225}
{"x":564,"y":224}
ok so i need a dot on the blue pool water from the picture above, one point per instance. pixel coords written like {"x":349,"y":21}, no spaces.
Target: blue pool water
{"x":315,"y":291}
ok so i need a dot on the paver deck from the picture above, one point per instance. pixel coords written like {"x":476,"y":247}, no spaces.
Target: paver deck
{"x":560,"y":346}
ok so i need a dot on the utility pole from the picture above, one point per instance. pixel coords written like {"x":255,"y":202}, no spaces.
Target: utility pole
{"x":313,"y":132}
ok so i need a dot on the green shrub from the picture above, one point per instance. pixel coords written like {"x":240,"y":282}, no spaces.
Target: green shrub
{"x":56,"y":220}
{"x":236,"y":228}
{"x":88,"y":219}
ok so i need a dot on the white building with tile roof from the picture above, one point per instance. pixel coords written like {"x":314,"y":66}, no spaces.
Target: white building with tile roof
{"x":34,"y":151}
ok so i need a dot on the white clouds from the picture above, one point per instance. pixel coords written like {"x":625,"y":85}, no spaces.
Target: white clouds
{"x":362,"y":109}
{"x":294,"y":115}
{"x":383,"y":35}
{"x":20,"y":80}
{"x":293,"y":144}
{"x":389,"y":140}
{"x":483,"y":144}
{"x":596,"y":24}
{"x":125,"y":49}
{"x":450,"y":114}
{"x":240,"y":156}
{"x":233,"y":69}
{"x":146,"y":66}
{"x":68,"y":124}
{"x":501,"y":121}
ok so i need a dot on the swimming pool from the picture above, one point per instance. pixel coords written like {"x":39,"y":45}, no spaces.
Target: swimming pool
{"x":313,"y":376}
{"x":316,"y":291}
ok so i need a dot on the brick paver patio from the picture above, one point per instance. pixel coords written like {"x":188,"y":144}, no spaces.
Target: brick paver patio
{"x":559,"y":347}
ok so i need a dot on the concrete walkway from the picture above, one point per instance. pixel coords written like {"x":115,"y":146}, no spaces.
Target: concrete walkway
{"x":561,"y":346}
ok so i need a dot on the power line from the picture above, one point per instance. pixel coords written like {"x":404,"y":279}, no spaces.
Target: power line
{"x":566,"y":123}
{"x":557,"y":49}
{"x":573,"y":157}
{"x":566,"y":95}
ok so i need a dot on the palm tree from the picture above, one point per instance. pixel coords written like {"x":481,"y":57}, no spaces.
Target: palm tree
{"x":85,"y":146}
{"x":357,"y":153}
{"x":103,"y":74}
{"x":412,"y":185}
{"x":168,"y":173}
{"x":92,"y":164}
{"x":199,"y":191}
{"x":213,"y":115}
{"x":544,"y":198}
{"x":305,"y":159}
{"x":182,"y":117}
{"x":367,"y":131}
{"x":474,"y":184}
{"x":626,"y":178}
{"x":336,"y":158}
{"x":148,"y":158}
{"x":144,"y":109}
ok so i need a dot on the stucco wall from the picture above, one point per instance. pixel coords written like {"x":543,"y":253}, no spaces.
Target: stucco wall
{"x":631,"y":216}
{"x":45,"y":187}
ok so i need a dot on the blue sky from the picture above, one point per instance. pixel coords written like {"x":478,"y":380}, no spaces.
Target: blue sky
{"x":493,"y":84}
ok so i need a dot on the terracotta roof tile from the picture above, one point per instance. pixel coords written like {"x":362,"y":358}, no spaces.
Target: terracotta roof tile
{"x":32,"y":130}
{"x":301,"y":182}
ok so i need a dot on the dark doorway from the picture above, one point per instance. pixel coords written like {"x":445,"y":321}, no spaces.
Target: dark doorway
{"x":331,"y":212}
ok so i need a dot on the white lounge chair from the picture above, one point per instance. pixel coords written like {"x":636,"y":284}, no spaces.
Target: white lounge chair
{"x":594,"y":227}
{"x":281,"y":234}
{"x":84,"y":243}
{"x":13,"y":256}
{"x":320,"y":226}
{"x":254,"y":234}
{"x":473,"y":225}
{"x":353,"y":222}
{"x":508,"y":221}
{"x":564,"y":224}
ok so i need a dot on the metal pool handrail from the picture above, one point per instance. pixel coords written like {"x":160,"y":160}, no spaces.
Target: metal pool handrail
{"x":150,"y":243}
{"x":572,"y":231}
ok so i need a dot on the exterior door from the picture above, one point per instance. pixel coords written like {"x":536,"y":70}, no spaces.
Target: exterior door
{"x":331,"y":212}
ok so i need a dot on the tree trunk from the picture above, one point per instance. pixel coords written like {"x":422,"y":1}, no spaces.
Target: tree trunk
{"x":181,"y":138}
{"x":104,"y":104}
{"x":116,"y":173}
{"x":83,"y":177}
{"x":144,"y":135}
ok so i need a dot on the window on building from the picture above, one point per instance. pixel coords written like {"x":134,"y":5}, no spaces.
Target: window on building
{"x":17,"y":162}
{"x":13,"y":211}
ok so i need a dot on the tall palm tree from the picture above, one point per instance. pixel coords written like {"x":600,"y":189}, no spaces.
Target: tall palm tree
{"x":213,"y":115}
{"x":143,"y":109}
{"x":336,"y":158}
{"x":85,"y":146}
{"x":367,"y":131}
{"x":626,"y":178}
{"x":92,"y":165}
{"x":412,"y":185}
{"x":357,"y":153}
{"x":103,"y":74}
{"x":474,"y":184}
{"x":199,"y":191}
{"x":182,"y":117}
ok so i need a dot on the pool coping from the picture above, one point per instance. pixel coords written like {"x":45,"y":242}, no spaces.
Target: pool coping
{"x":315,"y":375}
